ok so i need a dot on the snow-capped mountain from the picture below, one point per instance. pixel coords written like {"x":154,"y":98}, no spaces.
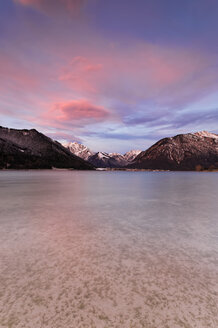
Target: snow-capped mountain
{"x":191,"y":151}
{"x":102,"y":159}
{"x":206,"y":134}
{"x":79,"y":150}
{"x":30,"y":149}
{"x":131,"y":155}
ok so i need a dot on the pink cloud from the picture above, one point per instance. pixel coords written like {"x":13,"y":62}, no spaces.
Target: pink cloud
{"x":140,"y":72}
{"x":58,"y":135}
{"x":104,"y":74}
{"x":54,"y":6}
{"x":78,"y":111}
{"x":79,"y":74}
{"x":14,"y":75}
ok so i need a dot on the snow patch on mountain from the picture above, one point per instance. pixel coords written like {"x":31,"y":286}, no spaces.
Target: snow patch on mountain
{"x":131,"y":155}
{"x":79,"y":150}
{"x":102,"y":159}
{"x":102,"y":155}
{"x":206,"y":134}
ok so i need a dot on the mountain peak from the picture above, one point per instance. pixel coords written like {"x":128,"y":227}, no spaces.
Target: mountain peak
{"x":31,"y":149}
{"x":131,"y":155}
{"x":102,"y":159}
{"x":206,"y":134}
{"x":79,"y":150}
{"x":190,"y":151}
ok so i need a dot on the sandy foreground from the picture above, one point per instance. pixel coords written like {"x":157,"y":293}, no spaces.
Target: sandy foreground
{"x":62,"y":269}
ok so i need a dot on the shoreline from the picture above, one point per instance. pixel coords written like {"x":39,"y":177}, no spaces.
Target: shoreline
{"x":106,"y":169}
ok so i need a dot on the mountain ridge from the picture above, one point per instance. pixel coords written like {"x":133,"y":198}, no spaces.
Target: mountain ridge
{"x":21,"y":149}
{"x":27,"y":149}
{"x":102,"y":159}
{"x":191,"y":151}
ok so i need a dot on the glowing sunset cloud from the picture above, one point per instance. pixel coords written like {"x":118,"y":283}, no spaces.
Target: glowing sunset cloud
{"x":54,"y":6}
{"x":106,"y":78}
{"x":136,"y":73}
{"x":79,"y":110}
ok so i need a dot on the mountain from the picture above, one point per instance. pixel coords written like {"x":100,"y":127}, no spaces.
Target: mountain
{"x":206,"y":134}
{"x":30,"y":149}
{"x":102,"y":159}
{"x":79,"y":150}
{"x":189,"y":151}
{"x":131,"y":155}
{"x":119,"y":159}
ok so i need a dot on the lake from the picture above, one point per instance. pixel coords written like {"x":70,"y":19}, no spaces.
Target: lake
{"x":108,"y":249}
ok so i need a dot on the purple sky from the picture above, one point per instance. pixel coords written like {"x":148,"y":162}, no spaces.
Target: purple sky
{"x":115,"y":75}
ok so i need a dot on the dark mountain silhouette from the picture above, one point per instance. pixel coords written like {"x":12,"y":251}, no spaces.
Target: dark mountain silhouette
{"x":30,"y":149}
{"x":192,"y":151}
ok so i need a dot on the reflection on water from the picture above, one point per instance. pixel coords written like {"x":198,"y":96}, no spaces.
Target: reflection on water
{"x":108,"y":249}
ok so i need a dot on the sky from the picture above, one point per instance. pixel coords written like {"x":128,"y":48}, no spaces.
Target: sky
{"x":114,"y":75}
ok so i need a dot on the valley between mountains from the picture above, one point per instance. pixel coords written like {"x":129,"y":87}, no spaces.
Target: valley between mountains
{"x":30,"y":149}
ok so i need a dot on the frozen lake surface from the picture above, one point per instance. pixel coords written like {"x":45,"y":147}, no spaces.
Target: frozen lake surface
{"x":108,"y":249}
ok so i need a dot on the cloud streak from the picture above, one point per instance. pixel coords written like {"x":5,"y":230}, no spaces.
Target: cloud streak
{"x":70,"y":77}
{"x":168,"y":75}
{"x":76,"y":113}
{"x":55,"y":6}
{"x":14,"y":74}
